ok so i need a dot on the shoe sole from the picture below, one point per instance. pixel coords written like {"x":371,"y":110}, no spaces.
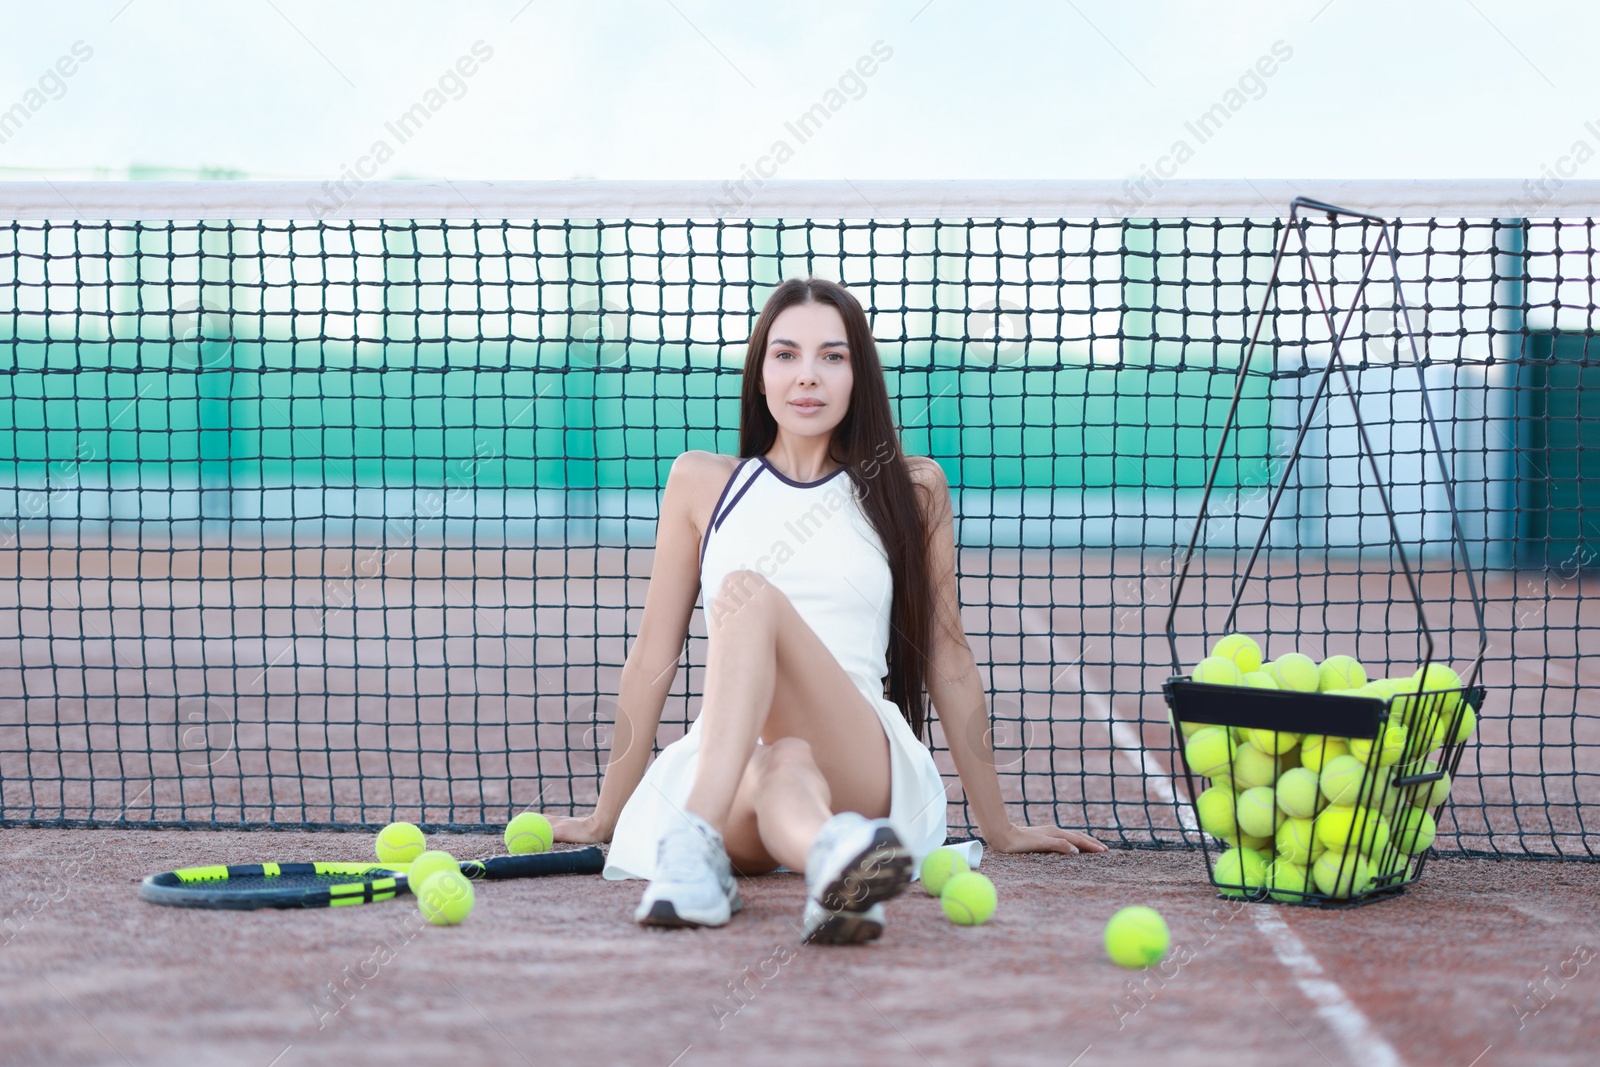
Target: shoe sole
{"x":879,"y":873}
{"x":845,"y":928}
{"x":662,"y":913}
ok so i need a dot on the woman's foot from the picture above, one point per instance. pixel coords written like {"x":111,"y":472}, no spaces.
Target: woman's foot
{"x":693,"y":883}
{"x":854,"y":865}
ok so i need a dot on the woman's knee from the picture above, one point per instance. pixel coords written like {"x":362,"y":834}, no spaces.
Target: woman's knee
{"x":788,"y":758}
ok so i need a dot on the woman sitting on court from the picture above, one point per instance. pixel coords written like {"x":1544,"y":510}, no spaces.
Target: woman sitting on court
{"x":828,"y":562}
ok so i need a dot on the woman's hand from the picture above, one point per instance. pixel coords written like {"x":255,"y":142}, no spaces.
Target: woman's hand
{"x":584,"y":831}
{"x":1041,"y":839}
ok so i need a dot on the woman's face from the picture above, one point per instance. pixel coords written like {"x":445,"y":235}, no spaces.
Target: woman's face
{"x":806,"y":373}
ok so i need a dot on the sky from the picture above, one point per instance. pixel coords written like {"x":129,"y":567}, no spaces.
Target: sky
{"x":685,"y":89}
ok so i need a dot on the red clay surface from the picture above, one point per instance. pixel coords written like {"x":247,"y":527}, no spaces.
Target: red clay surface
{"x":1482,"y":963}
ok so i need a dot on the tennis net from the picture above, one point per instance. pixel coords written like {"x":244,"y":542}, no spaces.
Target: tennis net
{"x":323,"y":507}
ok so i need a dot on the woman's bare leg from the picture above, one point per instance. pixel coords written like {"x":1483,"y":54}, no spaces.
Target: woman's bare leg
{"x":768,"y":675}
{"x":782,"y":802}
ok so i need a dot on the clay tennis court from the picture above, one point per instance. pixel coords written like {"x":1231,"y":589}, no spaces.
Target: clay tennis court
{"x":487,"y":695}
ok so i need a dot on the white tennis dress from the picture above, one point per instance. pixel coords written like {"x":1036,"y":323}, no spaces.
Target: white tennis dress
{"x":811,"y":541}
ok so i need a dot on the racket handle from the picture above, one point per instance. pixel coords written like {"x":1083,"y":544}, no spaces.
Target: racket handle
{"x":534,"y":865}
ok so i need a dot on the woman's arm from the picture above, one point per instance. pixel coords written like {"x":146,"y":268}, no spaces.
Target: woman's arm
{"x":652,"y":661}
{"x":957,"y":692}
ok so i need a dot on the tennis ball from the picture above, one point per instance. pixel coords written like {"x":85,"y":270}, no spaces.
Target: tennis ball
{"x":1391,"y":863}
{"x":1337,"y":673}
{"x":1429,"y":795}
{"x":1342,"y":828}
{"x":1259,"y":680}
{"x":1433,"y":692}
{"x":1289,"y":881}
{"x":1341,"y":875}
{"x":1383,"y":689}
{"x":1274,"y":742}
{"x":1136,"y":937}
{"x":1391,"y":745}
{"x":528,"y":832}
{"x":1463,"y":726}
{"x":1189,"y":729}
{"x":1316,"y":750}
{"x":1341,"y":779}
{"x":1215,"y":810}
{"x":427,"y":865}
{"x":939,"y":866}
{"x":1297,"y":672}
{"x":1437,"y":676}
{"x":1242,"y":650}
{"x":399,"y":842}
{"x":1414,"y":830}
{"x":968,"y":899}
{"x":1298,"y":793}
{"x":1296,"y":841}
{"x":1253,"y":767}
{"x":1218,"y":670}
{"x":446,"y":898}
{"x":1209,"y":752}
{"x":1239,"y":872}
{"x":1258,"y":813}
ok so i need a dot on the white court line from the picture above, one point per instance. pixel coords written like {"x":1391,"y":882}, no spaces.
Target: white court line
{"x":1353,"y":1029}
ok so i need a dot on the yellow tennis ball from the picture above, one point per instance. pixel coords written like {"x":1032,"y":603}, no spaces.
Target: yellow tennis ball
{"x":1341,"y":779}
{"x":1342,"y":828}
{"x":1289,"y":881}
{"x":1258,"y":813}
{"x":1297,"y":672}
{"x":1463,"y":726}
{"x":446,"y":898}
{"x":1391,"y":745}
{"x":1341,"y":875}
{"x":1428,"y":795}
{"x":1414,"y":830}
{"x":1383,"y":689}
{"x":1298,"y":793}
{"x":528,"y":832}
{"x":1218,"y":670}
{"x":1239,"y":872}
{"x":968,"y":899}
{"x":1296,"y":841}
{"x":1338,"y":673}
{"x":1259,"y":680}
{"x":427,"y":865}
{"x":399,"y":842}
{"x":1215,"y":810}
{"x":939,"y":866}
{"x":1250,"y":842}
{"x":1253,"y":767}
{"x":1136,"y":937}
{"x":1275,"y":742}
{"x":1242,"y":650}
{"x":1316,"y":750}
{"x":1209,"y":752}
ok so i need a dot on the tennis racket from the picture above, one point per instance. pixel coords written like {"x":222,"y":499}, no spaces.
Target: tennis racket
{"x":246,"y":886}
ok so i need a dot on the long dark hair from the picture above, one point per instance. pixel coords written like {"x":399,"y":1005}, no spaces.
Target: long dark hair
{"x":867,"y":443}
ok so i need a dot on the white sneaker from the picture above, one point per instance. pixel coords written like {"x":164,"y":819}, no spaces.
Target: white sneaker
{"x":854,"y":865}
{"x":694,"y":884}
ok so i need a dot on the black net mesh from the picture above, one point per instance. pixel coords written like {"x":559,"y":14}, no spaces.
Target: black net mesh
{"x":322,"y":524}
